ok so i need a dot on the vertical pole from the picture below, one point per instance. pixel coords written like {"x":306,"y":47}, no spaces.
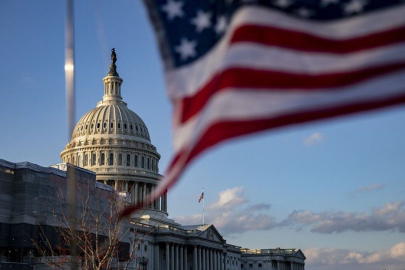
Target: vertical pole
{"x":70,"y":98}
{"x":203,"y":206}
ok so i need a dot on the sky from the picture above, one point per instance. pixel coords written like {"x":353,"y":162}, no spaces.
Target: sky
{"x":335,"y":189}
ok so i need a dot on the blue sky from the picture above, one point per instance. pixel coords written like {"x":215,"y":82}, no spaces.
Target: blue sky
{"x":333,"y":188}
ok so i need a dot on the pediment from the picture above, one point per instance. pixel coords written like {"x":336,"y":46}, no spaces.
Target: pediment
{"x":212,"y":234}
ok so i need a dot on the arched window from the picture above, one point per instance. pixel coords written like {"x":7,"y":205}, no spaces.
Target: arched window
{"x":120,"y":159}
{"x":136,"y":161}
{"x":98,"y":125}
{"x":128,"y":160}
{"x":102,"y":159}
{"x":86,"y":158}
{"x":143,"y":162}
{"x":111,"y":160}
{"x":93,"y":159}
{"x":148,"y":164}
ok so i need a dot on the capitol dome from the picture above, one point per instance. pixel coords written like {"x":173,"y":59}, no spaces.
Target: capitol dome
{"x":112,"y":118}
{"x":114,"y":142}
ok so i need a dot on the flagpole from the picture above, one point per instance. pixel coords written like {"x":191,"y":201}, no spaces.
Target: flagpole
{"x":203,"y":206}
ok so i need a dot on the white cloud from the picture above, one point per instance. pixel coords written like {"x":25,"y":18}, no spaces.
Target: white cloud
{"x":228,"y":199}
{"x":313,"y":139}
{"x":345,"y":259}
{"x":390,"y":217}
{"x":371,"y":187}
{"x":232,"y":214}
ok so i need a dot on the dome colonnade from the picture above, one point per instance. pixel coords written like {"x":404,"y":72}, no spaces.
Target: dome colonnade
{"x":114,"y":142}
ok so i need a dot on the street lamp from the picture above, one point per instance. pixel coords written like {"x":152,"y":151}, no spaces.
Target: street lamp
{"x":143,"y":262}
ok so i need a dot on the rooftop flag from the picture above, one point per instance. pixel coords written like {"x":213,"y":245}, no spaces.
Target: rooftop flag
{"x":235,"y":67}
{"x":201,"y":197}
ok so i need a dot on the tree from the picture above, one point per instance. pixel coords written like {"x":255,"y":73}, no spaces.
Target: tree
{"x":100,"y":238}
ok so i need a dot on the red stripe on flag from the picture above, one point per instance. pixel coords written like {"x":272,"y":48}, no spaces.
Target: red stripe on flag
{"x":245,"y":78}
{"x":221,"y":131}
{"x":300,"y":41}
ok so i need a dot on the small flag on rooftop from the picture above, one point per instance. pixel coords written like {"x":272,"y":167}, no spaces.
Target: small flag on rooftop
{"x":201,"y":197}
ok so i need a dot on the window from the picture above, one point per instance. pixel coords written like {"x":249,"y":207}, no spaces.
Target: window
{"x":93,"y":160}
{"x":128,"y":160}
{"x":130,"y":127}
{"x":102,"y":159}
{"x":143,"y":162}
{"x":125,"y":126}
{"x":120,"y":159}
{"x":148,"y":164}
{"x":250,"y":265}
{"x":119,"y":125}
{"x":92,"y":126}
{"x":136,"y":161}
{"x":98,"y":125}
{"x":79,"y":160}
{"x":86,"y":158}
{"x":136,"y":127}
{"x":111,"y":161}
{"x":104,"y":125}
{"x":111,"y":125}
{"x":146,"y":248}
{"x":241,"y":265}
{"x":260,"y":265}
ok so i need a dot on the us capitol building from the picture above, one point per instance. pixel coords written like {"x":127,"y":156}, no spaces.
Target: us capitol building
{"x":112,"y":145}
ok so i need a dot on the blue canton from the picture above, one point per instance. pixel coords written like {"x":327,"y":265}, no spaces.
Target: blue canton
{"x":193,"y":27}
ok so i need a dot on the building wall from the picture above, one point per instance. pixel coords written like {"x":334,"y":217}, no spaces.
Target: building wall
{"x":28,"y":203}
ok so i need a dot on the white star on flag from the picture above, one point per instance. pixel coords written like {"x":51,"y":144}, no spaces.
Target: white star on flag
{"x":325,"y":3}
{"x":202,"y":20}
{"x":355,"y":6}
{"x":186,"y":49}
{"x":282,"y":3}
{"x":304,"y":12}
{"x":221,"y":25}
{"x":173,"y":9}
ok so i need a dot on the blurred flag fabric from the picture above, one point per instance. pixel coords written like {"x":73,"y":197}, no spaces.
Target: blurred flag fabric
{"x":237,"y":67}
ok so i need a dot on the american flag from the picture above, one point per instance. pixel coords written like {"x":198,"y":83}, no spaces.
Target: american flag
{"x":234,"y":67}
{"x":201,"y":197}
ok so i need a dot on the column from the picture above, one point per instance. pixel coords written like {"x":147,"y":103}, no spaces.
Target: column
{"x":185,"y":258}
{"x":199,"y":259}
{"x":177,"y":265}
{"x":172,"y":257}
{"x":203,"y":259}
{"x":211,"y":259}
{"x":135,"y":195}
{"x":157,"y":257}
{"x":221,"y":262}
{"x":167,"y":256}
{"x":140,"y":192}
{"x":181,"y":258}
{"x":215,"y":260}
{"x":145,"y":189}
{"x":165,"y":199}
{"x":195,"y":257}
